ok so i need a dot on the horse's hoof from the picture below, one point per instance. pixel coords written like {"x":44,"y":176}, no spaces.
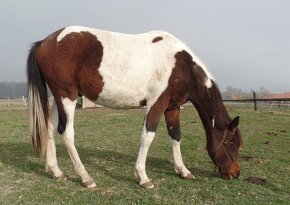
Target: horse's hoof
{"x":187,"y":177}
{"x":147,"y":185}
{"x":61,"y":177}
{"x":89,"y":184}
{"x":47,"y":169}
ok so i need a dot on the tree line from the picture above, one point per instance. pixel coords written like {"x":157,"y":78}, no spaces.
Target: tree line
{"x":13,"y":89}
{"x":19,"y":89}
{"x":232,"y":93}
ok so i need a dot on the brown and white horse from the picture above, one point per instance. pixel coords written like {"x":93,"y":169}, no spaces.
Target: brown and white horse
{"x":125,"y":71}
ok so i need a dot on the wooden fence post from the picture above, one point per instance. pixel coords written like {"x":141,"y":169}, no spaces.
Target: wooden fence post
{"x":255,"y":101}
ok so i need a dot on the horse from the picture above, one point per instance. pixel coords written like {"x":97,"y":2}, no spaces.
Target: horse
{"x":117,"y":70}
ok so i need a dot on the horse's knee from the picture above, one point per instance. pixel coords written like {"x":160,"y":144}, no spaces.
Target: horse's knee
{"x":68,"y":137}
{"x":147,"y":138}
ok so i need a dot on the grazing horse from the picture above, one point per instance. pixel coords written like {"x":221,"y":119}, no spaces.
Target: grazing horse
{"x":125,"y":71}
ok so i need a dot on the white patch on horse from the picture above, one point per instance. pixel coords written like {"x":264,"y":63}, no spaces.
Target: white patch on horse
{"x":133,"y":68}
{"x":208,"y":83}
{"x":140,"y":70}
{"x":72,"y":29}
{"x":213,"y":122}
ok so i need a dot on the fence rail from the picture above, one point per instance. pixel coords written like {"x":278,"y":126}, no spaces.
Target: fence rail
{"x":255,"y":100}
{"x":273,"y":101}
{"x":18,"y":102}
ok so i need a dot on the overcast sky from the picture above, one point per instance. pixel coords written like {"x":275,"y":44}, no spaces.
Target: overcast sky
{"x":244,"y":43}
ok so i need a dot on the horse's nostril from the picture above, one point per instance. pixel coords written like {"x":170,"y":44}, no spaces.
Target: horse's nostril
{"x":235,"y":175}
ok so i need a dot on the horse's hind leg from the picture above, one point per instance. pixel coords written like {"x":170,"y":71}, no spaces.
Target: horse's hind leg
{"x":173,"y":127}
{"x":68,"y":135}
{"x":51,"y":161}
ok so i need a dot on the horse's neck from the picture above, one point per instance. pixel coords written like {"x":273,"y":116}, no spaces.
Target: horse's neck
{"x":212,"y":110}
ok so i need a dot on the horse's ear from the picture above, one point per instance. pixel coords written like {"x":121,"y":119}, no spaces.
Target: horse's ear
{"x":234,"y":123}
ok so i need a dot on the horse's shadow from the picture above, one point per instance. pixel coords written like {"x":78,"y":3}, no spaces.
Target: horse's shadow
{"x":22,"y":157}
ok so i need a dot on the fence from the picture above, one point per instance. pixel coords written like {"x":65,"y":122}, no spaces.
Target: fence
{"x":22,"y":102}
{"x":13,"y":102}
{"x":271,"y":101}
{"x":16,"y":102}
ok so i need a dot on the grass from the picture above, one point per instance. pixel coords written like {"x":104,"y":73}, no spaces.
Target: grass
{"x":108,"y":142}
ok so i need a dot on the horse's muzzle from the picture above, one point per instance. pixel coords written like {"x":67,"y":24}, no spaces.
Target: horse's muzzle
{"x":232,"y":172}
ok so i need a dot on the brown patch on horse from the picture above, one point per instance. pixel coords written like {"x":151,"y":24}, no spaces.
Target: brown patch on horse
{"x":90,"y":81}
{"x":79,"y":56}
{"x":176,"y":94}
{"x":142,"y":103}
{"x":172,"y":122}
{"x":156,"y":39}
{"x":156,"y":111}
{"x":180,"y":81}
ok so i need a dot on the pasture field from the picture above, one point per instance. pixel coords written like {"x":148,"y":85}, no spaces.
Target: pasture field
{"x":108,"y":143}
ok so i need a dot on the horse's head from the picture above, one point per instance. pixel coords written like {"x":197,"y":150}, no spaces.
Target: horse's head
{"x":224,"y":150}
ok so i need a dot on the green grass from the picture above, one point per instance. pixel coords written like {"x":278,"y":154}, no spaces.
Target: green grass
{"x":108,"y":142}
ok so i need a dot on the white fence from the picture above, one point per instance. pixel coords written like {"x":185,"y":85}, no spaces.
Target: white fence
{"x":17,"y":102}
{"x":22,"y":102}
{"x":13,"y":102}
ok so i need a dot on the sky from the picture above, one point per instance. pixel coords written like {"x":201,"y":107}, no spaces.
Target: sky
{"x":244,"y":43}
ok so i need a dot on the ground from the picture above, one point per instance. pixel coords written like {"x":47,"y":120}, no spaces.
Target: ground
{"x":108,"y":142}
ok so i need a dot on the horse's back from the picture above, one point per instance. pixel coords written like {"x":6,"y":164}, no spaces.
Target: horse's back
{"x":115,"y":69}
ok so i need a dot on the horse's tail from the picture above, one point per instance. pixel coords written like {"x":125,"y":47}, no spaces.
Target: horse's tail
{"x":37,"y":102}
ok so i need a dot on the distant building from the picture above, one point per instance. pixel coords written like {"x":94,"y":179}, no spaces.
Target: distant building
{"x":281,"y":95}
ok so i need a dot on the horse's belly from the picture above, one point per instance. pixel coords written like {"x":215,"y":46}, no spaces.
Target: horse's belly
{"x":118,"y":97}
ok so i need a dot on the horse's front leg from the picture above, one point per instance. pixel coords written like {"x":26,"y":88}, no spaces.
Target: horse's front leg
{"x":140,"y":168}
{"x":173,"y":127}
{"x":68,"y":135}
{"x":150,"y":125}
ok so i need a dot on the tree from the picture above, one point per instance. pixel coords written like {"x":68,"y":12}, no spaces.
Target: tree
{"x":13,"y":89}
{"x":232,"y":93}
{"x":263,"y":92}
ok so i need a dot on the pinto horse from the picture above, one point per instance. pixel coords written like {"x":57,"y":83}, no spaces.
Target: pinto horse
{"x":125,"y":71}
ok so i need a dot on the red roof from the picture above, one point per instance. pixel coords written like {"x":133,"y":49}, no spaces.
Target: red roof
{"x":281,"y":95}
